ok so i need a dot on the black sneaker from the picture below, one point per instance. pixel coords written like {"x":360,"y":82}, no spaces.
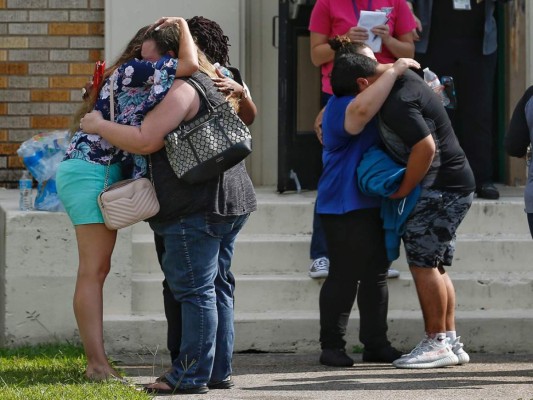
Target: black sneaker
{"x":335,"y":358}
{"x":176,"y":391}
{"x":170,"y":389}
{"x":384,"y":355}
{"x":225,"y":384}
{"x":488,"y":191}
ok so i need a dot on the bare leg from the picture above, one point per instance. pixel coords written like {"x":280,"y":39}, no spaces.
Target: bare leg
{"x":450,"y":308}
{"x":433,"y":297}
{"x":95,"y":246}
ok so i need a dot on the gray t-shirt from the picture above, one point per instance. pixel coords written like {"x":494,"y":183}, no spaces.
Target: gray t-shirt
{"x":229,"y":194}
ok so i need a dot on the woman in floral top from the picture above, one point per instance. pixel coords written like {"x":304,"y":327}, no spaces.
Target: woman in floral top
{"x":138,"y":85}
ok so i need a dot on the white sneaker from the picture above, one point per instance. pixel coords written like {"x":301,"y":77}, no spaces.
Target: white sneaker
{"x":429,"y":353}
{"x":393,"y":273}
{"x":319,"y":268}
{"x":422,"y":343}
{"x":457,"y":348}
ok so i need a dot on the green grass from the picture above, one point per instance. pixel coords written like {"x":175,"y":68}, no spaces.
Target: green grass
{"x":357,"y":349}
{"x":54,"y":372}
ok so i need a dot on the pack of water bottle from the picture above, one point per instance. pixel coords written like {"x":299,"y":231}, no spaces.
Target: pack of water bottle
{"x":41,"y":155}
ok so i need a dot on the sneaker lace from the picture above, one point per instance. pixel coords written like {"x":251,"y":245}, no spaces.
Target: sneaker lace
{"x":456,"y":345}
{"x":426,"y":344}
{"x":320,"y":264}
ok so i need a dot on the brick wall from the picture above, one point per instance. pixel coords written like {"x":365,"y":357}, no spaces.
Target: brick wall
{"x":47,"y":54}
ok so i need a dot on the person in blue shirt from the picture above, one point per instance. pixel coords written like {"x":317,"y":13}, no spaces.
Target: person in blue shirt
{"x":351,"y":220}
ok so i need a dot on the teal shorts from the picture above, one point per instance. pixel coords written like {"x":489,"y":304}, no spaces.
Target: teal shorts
{"x":79,"y":183}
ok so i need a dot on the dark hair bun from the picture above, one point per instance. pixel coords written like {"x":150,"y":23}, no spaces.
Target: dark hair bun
{"x":339,"y":42}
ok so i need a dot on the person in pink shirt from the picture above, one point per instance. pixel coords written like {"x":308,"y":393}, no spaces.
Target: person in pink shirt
{"x":330,"y":18}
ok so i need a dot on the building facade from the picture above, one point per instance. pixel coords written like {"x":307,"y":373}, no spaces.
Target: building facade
{"x":48,"y":49}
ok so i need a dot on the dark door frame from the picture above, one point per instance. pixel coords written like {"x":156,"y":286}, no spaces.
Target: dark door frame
{"x":299,"y":152}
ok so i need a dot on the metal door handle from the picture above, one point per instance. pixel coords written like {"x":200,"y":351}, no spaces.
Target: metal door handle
{"x":274,"y":19}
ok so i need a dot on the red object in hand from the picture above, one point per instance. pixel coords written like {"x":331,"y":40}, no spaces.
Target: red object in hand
{"x":98,"y":74}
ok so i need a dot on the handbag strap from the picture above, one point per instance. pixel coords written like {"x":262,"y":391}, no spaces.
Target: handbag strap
{"x":201,"y":92}
{"x":112,"y":98}
{"x":112,"y":119}
{"x":106,"y":179}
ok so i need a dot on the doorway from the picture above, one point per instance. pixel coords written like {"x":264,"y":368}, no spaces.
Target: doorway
{"x":299,"y":151}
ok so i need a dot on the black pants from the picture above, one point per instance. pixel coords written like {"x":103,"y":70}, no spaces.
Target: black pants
{"x":474,"y":75}
{"x":358,"y":268}
{"x":172,"y":308}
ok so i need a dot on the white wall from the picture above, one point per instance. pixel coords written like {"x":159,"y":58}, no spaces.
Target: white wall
{"x":263,"y":69}
{"x":248,"y":24}
{"x":124,"y":17}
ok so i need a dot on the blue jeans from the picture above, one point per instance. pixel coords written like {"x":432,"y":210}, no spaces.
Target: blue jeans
{"x":196,"y":264}
{"x":318,"y":247}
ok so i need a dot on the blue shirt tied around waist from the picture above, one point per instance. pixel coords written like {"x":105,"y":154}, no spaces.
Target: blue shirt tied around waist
{"x":379,"y":175}
{"x":338,"y":192}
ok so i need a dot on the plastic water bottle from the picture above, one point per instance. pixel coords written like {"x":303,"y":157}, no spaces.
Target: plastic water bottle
{"x":449,"y":90}
{"x":25,"y":185}
{"x":434,"y":83}
{"x":226,"y":72}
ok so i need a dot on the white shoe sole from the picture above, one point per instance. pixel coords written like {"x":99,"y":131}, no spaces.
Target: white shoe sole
{"x":442,"y":362}
{"x":317,"y":275}
{"x":463,"y":358}
{"x":393,"y":273}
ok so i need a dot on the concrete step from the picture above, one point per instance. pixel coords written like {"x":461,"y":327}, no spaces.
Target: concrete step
{"x":505,"y":215}
{"x":276,"y":331}
{"x":253,"y":254}
{"x":285,"y":293}
{"x":289,"y":254}
{"x":292,"y":214}
{"x":276,"y":303}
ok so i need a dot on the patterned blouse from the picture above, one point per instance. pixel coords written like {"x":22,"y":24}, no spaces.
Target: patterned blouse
{"x":138,"y":86}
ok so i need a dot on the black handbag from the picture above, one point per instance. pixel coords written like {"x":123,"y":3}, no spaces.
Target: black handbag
{"x":209,"y":144}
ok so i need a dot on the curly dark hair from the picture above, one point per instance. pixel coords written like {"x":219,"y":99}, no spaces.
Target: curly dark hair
{"x":210,"y":38}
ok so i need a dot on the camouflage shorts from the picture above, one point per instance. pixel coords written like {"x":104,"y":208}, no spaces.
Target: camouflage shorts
{"x":429,"y":237}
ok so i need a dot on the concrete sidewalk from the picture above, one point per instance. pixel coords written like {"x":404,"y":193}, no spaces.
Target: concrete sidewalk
{"x":300,"y":376}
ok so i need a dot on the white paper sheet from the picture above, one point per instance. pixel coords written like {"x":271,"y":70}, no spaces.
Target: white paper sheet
{"x":368,"y":20}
